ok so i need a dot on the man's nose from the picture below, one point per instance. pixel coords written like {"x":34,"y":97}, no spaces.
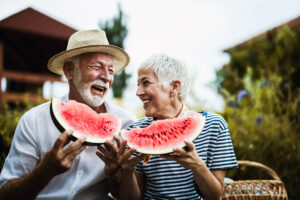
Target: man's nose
{"x":105,"y":75}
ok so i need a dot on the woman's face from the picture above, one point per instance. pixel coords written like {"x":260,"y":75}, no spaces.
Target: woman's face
{"x":154,"y":97}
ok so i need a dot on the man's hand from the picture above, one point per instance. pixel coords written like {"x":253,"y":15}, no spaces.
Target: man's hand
{"x":59,"y":159}
{"x":108,"y":154}
{"x":56,"y":161}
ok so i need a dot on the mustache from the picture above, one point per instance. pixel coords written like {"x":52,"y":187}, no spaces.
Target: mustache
{"x":99,"y":82}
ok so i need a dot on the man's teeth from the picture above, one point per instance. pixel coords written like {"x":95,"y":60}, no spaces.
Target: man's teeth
{"x":145,"y":101}
{"x":99,"y":88}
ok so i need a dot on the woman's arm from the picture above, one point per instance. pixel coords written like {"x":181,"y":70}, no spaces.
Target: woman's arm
{"x":131,"y":187}
{"x":131,"y":183}
{"x":119,"y":159}
{"x":210,"y":183}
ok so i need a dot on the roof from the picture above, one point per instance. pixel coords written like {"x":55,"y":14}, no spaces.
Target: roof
{"x":33,"y":22}
{"x":293,"y":23}
{"x":30,"y":38}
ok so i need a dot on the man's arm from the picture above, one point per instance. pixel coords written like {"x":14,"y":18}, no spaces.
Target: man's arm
{"x":57,"y":160}
{"x":27,"y":186}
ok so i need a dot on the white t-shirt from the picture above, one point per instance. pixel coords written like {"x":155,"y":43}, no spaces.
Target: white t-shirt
{"x":35,"y":135}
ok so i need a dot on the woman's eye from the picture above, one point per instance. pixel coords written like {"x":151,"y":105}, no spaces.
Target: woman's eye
{"x":146,"y":83}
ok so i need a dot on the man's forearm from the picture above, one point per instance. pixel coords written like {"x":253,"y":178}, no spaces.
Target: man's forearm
{"x":26,"y":187}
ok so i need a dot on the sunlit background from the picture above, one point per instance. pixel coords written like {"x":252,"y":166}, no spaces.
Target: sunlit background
{"x":258,"y":81}
{"x":194,"y":31}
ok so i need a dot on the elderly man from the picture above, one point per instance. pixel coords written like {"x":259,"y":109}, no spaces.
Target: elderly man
{"x":43,"y":163}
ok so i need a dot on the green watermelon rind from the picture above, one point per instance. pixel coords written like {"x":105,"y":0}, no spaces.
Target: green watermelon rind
{"x":169,"y":150}
{"x":62,"y":125}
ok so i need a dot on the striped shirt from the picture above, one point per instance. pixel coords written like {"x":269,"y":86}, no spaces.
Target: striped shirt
{"x":166,"y":179}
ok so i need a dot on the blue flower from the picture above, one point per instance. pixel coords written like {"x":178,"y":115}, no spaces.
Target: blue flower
{"x":241,"y":95}
{"x":259,"y":119}
{"x":231,"y":104}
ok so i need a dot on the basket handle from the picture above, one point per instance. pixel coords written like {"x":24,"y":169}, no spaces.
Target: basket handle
{"x":259,"y":165}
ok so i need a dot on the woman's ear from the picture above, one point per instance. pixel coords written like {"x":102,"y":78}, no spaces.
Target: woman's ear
{"x":69,"y":70}
{"x":175,"y":87}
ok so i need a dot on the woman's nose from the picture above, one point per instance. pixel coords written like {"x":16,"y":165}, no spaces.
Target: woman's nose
{"x":139,"y":91}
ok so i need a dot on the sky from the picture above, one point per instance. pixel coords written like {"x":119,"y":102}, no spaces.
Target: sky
{"x":193,"y":31}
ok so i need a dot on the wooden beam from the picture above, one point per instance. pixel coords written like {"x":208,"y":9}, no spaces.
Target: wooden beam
{"x":14,"y":97}
{"x":30,"y":77}
{"x":1,"y":70}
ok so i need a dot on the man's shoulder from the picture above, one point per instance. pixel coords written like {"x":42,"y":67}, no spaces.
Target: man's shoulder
{"x":38,"y":111}
{"x":121,"y":112}
{"x":126,"y":117}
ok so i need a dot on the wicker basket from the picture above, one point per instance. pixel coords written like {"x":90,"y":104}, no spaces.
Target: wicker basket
{"x":256,"y":189}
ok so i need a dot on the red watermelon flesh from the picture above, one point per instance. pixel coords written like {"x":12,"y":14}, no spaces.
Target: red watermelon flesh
{"x":163,"y":135}
{"x":84,"y":121}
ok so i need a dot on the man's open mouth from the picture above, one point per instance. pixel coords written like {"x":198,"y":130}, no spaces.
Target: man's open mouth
{"x":99,"y":89}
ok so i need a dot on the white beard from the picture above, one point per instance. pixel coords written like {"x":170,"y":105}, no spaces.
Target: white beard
{"x":84,"y":89}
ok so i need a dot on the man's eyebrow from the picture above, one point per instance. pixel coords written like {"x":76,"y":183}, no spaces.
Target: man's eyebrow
{"x":102,"y":63}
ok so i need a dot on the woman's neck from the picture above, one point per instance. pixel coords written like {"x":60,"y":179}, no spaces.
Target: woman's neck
{"x":171,"y":111}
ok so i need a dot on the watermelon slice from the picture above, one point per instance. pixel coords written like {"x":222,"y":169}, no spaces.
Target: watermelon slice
{"x":84,"y":121}
{"x":163,"y":135}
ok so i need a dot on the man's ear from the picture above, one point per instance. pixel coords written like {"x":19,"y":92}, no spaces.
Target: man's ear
{"x":175,"y":87}
{"x":69,"y":70}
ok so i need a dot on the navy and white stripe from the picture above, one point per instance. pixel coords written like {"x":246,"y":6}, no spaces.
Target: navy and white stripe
{"x":166,"y":179}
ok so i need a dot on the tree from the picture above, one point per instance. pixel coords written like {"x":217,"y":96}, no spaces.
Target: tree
{"x":262,"y":93}
{"x":116,"y":32}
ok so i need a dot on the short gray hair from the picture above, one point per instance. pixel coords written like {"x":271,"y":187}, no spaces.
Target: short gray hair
{"x":74,"y":60}
{"x":168,"y":69}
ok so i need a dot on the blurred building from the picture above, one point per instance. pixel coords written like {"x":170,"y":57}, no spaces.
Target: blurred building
{"x":27,"y":40}
{"x":292,"y":24}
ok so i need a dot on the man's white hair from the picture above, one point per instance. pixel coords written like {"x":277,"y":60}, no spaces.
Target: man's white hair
{"x":74,"y":60}
{"x":168,"y":69}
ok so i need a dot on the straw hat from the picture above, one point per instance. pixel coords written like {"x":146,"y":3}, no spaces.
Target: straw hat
{"x":88,"y":41}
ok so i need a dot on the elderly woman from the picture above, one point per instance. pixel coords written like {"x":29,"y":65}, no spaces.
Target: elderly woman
{"x":195,"y":172}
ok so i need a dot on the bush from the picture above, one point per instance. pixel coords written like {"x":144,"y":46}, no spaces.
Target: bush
{"x":9,"y":118}
{"x":262,"y":92}
{"x":264,"y":128}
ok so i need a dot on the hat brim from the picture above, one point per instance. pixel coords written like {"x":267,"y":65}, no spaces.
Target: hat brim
{"x":121,"y":58}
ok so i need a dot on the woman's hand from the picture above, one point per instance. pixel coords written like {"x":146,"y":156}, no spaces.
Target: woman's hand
{"x":116,"y":157}
{"x":186,"y":158}
{"x":125,"y":159}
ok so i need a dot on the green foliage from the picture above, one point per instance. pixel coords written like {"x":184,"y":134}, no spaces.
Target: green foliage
{"x":274,"y":52}
{"x":262,"y":94}
{"x":9,"y":118}
{"x":116,"y":32}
